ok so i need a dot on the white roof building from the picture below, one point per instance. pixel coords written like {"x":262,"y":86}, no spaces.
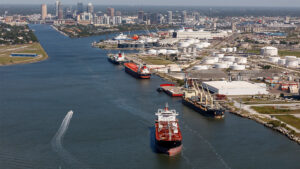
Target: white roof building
{"x":235,"y":88}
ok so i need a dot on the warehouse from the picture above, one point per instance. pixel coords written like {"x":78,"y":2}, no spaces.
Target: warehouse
{"x":235,"y":88}
{"x":23,"y":55}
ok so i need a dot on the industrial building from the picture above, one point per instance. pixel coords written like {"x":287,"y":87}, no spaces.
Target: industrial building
{"x":235,"y":88}
{"x":23,"y":55}
{"x":185,"y":34}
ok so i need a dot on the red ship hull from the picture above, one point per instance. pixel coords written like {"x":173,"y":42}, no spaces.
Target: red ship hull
{"x":132,"y":69}
{"x":167,"y":146}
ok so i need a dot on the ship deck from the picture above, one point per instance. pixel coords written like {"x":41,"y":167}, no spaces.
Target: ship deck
{"x":173,"y":90}
{"x":165,"y":131}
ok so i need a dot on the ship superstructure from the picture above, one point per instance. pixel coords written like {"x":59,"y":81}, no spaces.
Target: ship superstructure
{"x":116,"y":58}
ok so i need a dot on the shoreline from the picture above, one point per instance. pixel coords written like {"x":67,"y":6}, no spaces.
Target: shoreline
{"x":255,"y":117}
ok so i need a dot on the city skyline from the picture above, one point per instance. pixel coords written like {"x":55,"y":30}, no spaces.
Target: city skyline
{"x":229,"y":3}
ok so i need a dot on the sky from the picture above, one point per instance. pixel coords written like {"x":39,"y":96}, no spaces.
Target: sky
{"x":262,"y":3}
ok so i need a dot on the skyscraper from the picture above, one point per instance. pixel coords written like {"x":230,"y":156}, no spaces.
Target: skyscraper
{"x":44,"y":11}
{"x":79,"y":7}
{"x":56,"y":8}
{"x":183,"y":17}
{"x":170,"y":17}
{"x":141,"y":16}
{"x":60,"y":11}
{"x":90,"y":8}
{"x":118,"y":13}
{"x":111,"y":12}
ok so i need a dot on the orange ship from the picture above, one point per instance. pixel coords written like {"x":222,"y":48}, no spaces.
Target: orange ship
{"x":141,"y":71}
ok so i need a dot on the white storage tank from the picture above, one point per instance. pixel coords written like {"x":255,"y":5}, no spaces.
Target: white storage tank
{"x":281,"y":61}
{"x":216,"y":59}
{"x":199,"y":46}
{"x":200,"y":67}
{"x":229,"y":50}
{"x":196,"y":40}
{"x":237,"y":67}
{"x":228,"y":63}
{"x":162,"y":51}
{"x":269,"y":51}
{"x":209,"y":61}
{"x":241,"y":60}
{"x":220,"y":55}
{"x":152,"y":52}
{"x":274,"y":59}
{"x":205,"y":44}
{"x":234,"y":49}
{"x":290,"y":57}
{"x":169,"y":52}
{"x":184,"y":44}
{"x":221,"y":66}
{"x":292,"y":63}
{"x":229,"y":58}
{"x":224,"y":49}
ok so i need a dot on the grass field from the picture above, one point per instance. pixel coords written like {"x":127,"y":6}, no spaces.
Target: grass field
{"x":273,"y":110}
{"x":289,"y":53}
{"x":289,"y":119}
{"x":156,"y":61}
{"x":5,"y":52}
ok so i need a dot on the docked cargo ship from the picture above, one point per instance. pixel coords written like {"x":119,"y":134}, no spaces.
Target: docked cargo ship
{"x":171,"y":90}
{"x":202,"y":102}
{"x":141,"y":71}
{"x":116,"y":59}
{"x":168,"y":138}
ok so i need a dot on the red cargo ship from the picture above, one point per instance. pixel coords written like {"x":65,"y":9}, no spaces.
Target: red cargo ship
{"x":167,"y":133}
{"x":142,"y":72}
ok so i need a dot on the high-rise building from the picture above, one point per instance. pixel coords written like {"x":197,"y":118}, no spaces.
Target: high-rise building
{"x":140,"y":16}
{"x":233,"y":26}
{"x":56,"y":7}
{"x":118,"y":13}
{"x":183,"y":17}
{"x":60,"y":11}
{"x":196,"y":16}
{"x":154,"y":18}
{"x":111,"y":12}
{"x":69,"y":13}
{"x":80,"y":8}
{"x":170,"y":17}
{"x":90,"y":8}
{"x":44,"y":11}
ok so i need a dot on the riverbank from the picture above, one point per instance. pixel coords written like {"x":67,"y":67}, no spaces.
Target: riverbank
{"x":80,"y":31}
{"x":267,"y":121}
{"x":36,"y":48}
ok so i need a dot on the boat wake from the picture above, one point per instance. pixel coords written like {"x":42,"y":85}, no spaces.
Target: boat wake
{"x":131,"y":109}
{"x":211,"y":147}
{"x":57,"y":141}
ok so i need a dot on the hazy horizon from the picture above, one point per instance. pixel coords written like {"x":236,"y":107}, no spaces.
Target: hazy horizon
{"x":217,"y":3}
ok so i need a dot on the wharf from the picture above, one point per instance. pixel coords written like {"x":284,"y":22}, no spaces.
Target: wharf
{"x":172,"y":90}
